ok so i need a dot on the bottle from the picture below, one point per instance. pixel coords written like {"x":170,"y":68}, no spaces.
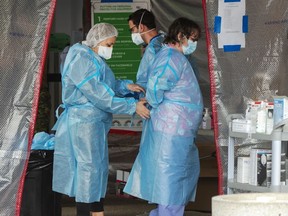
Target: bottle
{"x":251,"y":115}
{"x":206,"y":121}
{"x":261,"y":118}
{"x":211,"y":116}
{"x":269,"y":121}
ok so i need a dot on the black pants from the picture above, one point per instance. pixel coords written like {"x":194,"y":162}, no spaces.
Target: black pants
{"x":84,"y":209}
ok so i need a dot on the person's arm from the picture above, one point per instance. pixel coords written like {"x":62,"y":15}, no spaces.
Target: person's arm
{"x":87,"y":78}
{"x":163,"y":77}
{"x":121,"y":87}
{"x":124,"y":87}
{"x":143,"y":70}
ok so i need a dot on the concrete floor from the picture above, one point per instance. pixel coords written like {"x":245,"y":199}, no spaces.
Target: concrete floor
{"x":121,"y":206}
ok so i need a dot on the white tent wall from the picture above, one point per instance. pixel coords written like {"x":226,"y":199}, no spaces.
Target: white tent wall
{"x":25,"y":29}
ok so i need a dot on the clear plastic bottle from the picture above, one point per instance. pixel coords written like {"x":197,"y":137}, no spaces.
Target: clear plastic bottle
{"x":206,"y":121}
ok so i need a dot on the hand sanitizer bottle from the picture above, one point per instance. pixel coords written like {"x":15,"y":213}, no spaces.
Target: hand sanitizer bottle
{"x":206,"y":121}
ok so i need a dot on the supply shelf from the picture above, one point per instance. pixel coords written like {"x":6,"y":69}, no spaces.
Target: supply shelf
{"x":257,"y":189}
{"x":277,"y":137}
{"x":283,"y":136}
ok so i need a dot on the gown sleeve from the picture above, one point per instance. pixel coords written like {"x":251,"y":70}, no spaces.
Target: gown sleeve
{"x":121,"y":87}
{"x":164,"y":74}
{"x":85,"y":74}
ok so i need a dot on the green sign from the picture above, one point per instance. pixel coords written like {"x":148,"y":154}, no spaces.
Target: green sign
{"x":126,"y":55}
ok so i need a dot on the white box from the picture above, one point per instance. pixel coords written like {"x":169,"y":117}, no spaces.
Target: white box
{"x":243,"y":169}
{"x":119,"y":175}
{"x":122,"y":175}
{"x":280,"y":109}
{"x":241,"y":125}
{"x":126,"y":175}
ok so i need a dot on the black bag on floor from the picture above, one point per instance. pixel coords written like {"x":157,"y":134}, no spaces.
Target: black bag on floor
{"x":38,"y":199}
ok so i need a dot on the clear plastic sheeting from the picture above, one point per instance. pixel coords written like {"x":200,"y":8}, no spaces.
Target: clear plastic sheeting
{"x":24,"y":30}
{"x":255,"y":72}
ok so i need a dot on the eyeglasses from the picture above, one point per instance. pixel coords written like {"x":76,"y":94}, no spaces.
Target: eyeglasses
{"x":131,"y":29}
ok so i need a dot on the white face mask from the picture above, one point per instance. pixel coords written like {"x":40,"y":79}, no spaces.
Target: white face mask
{"x":136,"y":38}
{"x":190,"y":48}
{"x":105,"y":52}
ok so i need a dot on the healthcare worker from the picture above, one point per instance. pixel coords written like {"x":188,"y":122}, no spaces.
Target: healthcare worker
{"x":167,"y":168}
{"x":89,"y":91}
{"x":143,"y":32}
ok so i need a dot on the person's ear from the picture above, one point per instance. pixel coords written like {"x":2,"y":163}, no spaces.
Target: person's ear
{"x":141,"y":28}
{"x":95,"y":49}
{"x":180,"y":37}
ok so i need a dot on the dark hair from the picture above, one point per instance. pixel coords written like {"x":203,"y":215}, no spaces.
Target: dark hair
{"x":181,"y":25}
{"x":148,"y":18}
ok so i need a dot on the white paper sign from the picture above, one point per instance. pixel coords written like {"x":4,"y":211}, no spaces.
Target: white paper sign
{"x":231,"y":32}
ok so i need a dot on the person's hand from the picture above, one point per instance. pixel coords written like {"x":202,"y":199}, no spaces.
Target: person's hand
{"x":135,"y":88}
{"x":142,"y":110}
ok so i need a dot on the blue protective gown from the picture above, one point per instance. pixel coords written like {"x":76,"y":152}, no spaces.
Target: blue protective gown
{"x":167,"y":168}
{"x":81,"y":152}
{"x":148,"y":57}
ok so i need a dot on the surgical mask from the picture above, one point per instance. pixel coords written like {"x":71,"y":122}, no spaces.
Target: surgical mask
{"x":136,"y":38}
{"x":190,"y":48}
{"x":105,"y":52}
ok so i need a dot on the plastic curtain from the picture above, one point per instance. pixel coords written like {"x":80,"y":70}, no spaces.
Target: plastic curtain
{"x":254,"y":72}
{"x":25,"y":29}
